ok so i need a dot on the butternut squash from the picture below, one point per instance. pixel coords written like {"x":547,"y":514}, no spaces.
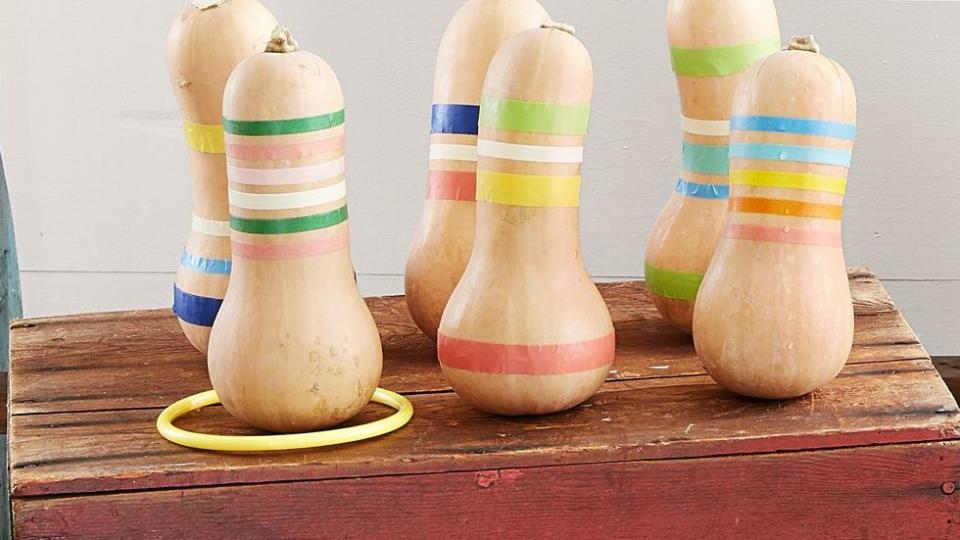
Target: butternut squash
{"x":445,"y":236}
{"x":204,"y":45}
{"x":712,"y":42}
{"x":774,"y":317}
{"x":526,"y":331}
{"x":294,"y":347}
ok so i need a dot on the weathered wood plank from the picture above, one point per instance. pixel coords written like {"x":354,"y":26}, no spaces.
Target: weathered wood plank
{"x":900,"y":491}
{"x":140,"y":359}
{"x":949,"y":368}
{"x":663,"y":418}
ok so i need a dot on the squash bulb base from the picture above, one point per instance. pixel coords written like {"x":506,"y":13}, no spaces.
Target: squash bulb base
{"x":523,"y":395}
{"x":678,"y":313}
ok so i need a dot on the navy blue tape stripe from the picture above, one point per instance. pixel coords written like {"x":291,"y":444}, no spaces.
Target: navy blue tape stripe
{"x":455,"y":119}
{"x":802,"y":126}
{"x":702,"y":191}
{"x":198,"y":310}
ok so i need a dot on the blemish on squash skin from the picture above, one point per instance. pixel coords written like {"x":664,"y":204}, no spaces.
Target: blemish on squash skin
{"x":185,"y":83}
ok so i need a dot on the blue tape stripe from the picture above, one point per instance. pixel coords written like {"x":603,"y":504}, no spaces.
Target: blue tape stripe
{"x":702,"y":191}
{"x":783,"y":152}
{"x":802,"y":126}
{"x":455,"y":119}
{"x":198,"y":310}
{"x":706,"y":158}
{"x":205,"y":265}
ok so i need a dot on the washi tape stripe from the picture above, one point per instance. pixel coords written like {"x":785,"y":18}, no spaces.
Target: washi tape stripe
{"x":777,"y":179}
{"x":457,"y":119}
{"x":717,"y":61}
{"x":210,"y":227}
{"x":289,"y":225}
{"x":671,"y":284}
{"x":452,"y":186}
{"x":288,"y":201}
{"x":269,"y":152}
{"x":194,"y":309}
{"x":531,"y":153}
{"x":502,"y":359}
{"x":702,"y":191}
{"x":205,"y":265}
{"x":783,"y":152}
{"x":204,"y":138}
{"x":453,"y":152}
{"x":320,"y":172}
{"x":709,"y":128}
{"x":289,"y":126}
{"x":296,"y":250}
{"x":800,"y":126}
{"x":534,"y":117}
{"x":783,"y":235}
{"x":784,"y":207}
{"x":528,"y":190}
{"x":706,"y":158}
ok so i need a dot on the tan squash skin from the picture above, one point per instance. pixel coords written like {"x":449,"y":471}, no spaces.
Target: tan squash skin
{"x":203,"y":47}
{"x":444,"y":238}
{"x":688,"y":228}
{"x":525,"y":282}
{"x":775,"y":320}
{"x":294,"y":347}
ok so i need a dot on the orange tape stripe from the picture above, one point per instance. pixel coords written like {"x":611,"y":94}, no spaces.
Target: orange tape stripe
{"x":784,"y":207}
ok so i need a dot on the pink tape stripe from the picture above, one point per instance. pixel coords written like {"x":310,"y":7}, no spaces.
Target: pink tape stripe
{"x":300,"y":150}
{"x":546,"y":359}
{"x":297,"y":250}
{"x":327,"y":170}
{"x":785,"y":235}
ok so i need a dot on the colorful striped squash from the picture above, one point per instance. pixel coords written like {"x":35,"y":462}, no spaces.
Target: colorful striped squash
{"x":525,"y":331}
{"x":712,"y":42}
{"x":294,"y":347}
{"x":445,"y":235}
{"x":774,"y":318}
{"x":205,"y":43}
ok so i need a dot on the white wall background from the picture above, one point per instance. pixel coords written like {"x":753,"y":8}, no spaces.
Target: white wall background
{"x":98,"y":169}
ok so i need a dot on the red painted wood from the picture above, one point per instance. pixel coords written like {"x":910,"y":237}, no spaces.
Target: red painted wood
{"x":895,"y":492}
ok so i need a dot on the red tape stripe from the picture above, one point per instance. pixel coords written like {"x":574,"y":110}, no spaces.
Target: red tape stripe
{"x":544,"y":359}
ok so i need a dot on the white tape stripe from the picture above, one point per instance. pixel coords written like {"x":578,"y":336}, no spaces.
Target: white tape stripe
{"x":523,"y":152}
{"x":454,"y":152}
{"x":288,"y":201}
{"x":294,"y":175}
{"x":710,"y":128}
{"x":211,"y":227}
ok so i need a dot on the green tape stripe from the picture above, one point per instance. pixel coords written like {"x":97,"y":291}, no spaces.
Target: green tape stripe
{"x":706,"y":158}
{"x":283,"y":127}
{"x":716,"y":61}
{"x":289,"y":225}
{"x":669,"y":284}
{"x":534,"y":117}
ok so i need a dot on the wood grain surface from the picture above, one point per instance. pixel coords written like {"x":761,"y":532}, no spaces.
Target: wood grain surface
{"x":660,"y":441}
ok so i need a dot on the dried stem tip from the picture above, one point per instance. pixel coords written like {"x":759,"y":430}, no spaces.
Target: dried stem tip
{"x":804,"y":43}
{"x":281,"y":41}
{"x":563,"y":27}
{"x":207,"y":4}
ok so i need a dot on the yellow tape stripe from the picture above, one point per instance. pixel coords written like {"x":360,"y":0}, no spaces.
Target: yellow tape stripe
{"x":207,"y":139}
{"x":528,"y":190}
{"x":777,"y":179}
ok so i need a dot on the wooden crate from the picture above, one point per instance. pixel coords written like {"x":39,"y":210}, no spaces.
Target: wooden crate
{"x":661,"y":451}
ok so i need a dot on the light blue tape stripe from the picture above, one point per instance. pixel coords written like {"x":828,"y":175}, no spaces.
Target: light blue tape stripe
{"x":705,"y":158}
{"x":783,"y":152}
{"x":702,"y":191}
{"x":803,"y":126}
{"x":205,"y":265}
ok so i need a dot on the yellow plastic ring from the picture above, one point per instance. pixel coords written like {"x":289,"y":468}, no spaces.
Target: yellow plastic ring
{"x":265,"y":443}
